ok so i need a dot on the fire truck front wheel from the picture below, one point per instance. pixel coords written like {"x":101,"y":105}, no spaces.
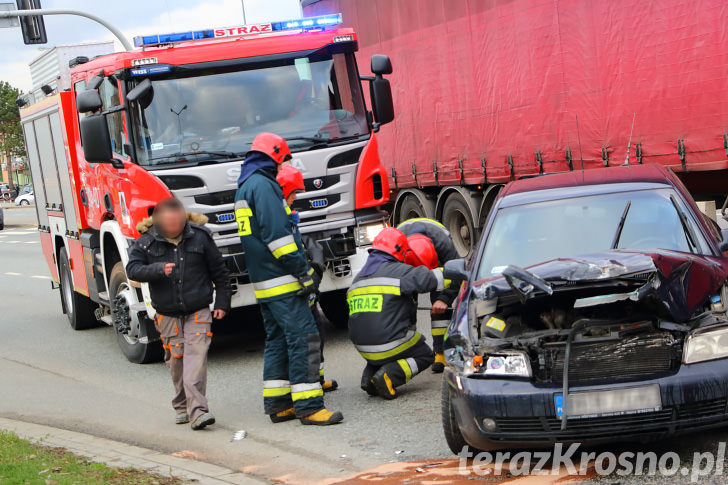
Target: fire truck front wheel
{"x":78,"y":308}
{"x":135,"y":332}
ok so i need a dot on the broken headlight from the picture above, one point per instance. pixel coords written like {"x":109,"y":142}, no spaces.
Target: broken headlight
{"x":706,"y":346}
{"x":507,"y":364}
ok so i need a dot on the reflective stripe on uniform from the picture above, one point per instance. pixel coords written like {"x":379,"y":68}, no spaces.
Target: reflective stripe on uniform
{"x":276,"y":388}
{"x":379,"y":352}
{"x":282,"y":246}
{"x":424,"y":219}
{"x":369,"y":286}
{"x":439,"y":327}
{"x":242,"y":217}
{"x":406,"y":368}
{"x":276,"y":286}
{"x":440,"y":278}
{"x":306,"y":391}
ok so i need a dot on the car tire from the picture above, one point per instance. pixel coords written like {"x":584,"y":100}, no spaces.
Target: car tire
{"x":334,"y":306}
{"x":140,"y":346}
{"x":410,"y":209}
{"x":78,"y":308}
{"x":456,"y":217}
{"x":24,"y":202}
{"x":453,"y":436}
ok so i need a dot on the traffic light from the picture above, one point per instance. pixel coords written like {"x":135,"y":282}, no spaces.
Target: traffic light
{"x":33,"y":27}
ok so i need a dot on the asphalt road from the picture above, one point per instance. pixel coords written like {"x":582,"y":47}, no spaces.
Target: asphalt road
{"x":53,"y":375}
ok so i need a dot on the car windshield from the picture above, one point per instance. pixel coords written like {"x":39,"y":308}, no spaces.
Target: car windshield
{"x":213,"y":114}
{"x":527,"y":234}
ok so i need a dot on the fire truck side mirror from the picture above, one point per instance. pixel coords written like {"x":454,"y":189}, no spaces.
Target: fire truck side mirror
{"x":382,"y":104}
{"x":381,"y":64}
{"x":88,"y":101}
{"x":95,"y":139}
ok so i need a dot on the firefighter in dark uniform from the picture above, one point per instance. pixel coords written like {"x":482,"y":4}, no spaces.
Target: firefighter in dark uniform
{"x":291,"y":181}
{"x":383,"y":315}
{"x":282,"y":280}
{"x":441,"y":300}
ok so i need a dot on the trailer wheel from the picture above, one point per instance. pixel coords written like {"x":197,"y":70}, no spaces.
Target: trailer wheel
{"x":458,"y":220}
{"x":453,"y":436}
{"x":78,"y":308}
{"x":410,"y":209}
{"x":334,"y":306}
{"x":135,"y":332}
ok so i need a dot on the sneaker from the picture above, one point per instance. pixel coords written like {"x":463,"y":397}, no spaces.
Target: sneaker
{"x":181,"y":418}
{"x":439,"y":364}
{"x":204,"y":420}
{"x":285,"y":415}
{"x":323,"y":417}
{"x":383,"y":384}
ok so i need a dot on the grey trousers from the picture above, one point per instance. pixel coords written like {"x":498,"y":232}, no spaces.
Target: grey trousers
{"x":186,"y":341}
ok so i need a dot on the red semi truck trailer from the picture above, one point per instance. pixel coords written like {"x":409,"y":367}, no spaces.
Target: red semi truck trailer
{"x":175,"y":117}
{"x":488,"y":91}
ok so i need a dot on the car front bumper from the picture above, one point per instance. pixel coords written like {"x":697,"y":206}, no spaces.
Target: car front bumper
{"x":693,"y":398}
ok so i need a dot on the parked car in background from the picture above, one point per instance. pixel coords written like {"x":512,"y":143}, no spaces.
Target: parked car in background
{"x":594,"y":310}
{"x":26,"y":198}
{"x":5,"y":192}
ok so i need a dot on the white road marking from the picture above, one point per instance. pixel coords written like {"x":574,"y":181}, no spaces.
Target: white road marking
{"x":12,"y":242}
{"x":32,"y":242}
{"x":10,"y":273}
{"x":41,"y":277}
{"x":14,"y":232}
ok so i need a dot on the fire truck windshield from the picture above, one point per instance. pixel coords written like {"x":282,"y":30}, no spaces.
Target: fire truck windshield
{"x":191,"y":116}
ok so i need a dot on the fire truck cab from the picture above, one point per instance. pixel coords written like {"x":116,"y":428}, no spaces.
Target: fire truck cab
{"x":175,"y":117}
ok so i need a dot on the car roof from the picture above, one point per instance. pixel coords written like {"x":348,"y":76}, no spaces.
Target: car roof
{"x":650,"y":173}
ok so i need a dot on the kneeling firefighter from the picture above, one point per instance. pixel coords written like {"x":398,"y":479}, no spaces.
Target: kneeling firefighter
{"x":441,"y":313}
{"x":383,"y":315}
{"x":291,"y":182}
{"x":282,"y":281}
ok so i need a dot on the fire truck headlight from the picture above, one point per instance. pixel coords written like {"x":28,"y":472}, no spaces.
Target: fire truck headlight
{"x":366,"y":233}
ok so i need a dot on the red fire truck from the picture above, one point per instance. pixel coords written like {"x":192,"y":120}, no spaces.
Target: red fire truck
{"x":175,"y":116}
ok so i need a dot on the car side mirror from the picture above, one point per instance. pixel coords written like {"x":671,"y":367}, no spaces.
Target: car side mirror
{"x":381,"y":64}
{"x":88,"y":101}
{"x":95,"y":139}
{"x":455,"y":270}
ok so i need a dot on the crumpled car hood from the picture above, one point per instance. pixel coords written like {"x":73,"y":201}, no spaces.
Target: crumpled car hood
{"x":682,"y":281}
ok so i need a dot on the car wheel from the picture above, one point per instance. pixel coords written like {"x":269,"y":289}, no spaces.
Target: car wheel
{"x":453,"y":436}
{"x":135,"y":332}
{"x":78,"y":308}
{"x":334,"y":306}
{"x":457,"y":219}
{"x":410,"y":209}
{"x":24,"y":202}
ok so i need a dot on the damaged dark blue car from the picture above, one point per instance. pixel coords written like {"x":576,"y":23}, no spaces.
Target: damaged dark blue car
{"x":593,"y":310}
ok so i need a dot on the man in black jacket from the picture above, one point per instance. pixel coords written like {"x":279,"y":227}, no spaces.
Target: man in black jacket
{"x":178,"y":258}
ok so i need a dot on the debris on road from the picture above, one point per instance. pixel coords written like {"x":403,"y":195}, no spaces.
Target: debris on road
{"x":239,"y":435}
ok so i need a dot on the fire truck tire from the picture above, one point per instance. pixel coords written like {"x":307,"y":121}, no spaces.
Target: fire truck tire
{"x":334,"y":306}
{"x":453,"y":436}
{"x":135,"y":347}
{"x":78,"y":308}
{"x":456,"y":217}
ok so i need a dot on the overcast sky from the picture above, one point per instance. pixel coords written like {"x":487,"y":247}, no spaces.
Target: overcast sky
{"x":133,"y":17}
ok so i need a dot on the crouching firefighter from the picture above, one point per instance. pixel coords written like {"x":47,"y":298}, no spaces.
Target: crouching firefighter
{"x":383,"y":315}
{"x":283,"y":281}
{"x":178,"y":258}
{"x":441,"y":313}
{"x":291,"y":181}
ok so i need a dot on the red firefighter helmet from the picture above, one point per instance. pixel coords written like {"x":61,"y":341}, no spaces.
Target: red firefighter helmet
{"x":422,"y":251}
{"x":391,"y":241}
{"x":290,"y":180}
{"x":272,"y":145}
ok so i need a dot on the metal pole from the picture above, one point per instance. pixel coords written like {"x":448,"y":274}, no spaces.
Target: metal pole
{"x":60,"y":11}
{"x":245,"y":21}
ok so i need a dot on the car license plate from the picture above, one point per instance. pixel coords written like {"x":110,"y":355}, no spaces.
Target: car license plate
{"x":630,"y":400}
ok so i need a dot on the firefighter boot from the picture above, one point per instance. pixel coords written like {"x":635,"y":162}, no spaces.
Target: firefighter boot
{"x":285,"y":415}
{"x":323,"y":417}
{"x":383,"y":384}
{"x":330,"y":385}
{"x":439,"y":364}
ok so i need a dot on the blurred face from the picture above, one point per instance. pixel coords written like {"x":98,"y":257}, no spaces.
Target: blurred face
{"x":170,"y":222}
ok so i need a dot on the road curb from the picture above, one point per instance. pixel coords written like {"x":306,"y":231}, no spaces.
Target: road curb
{"x":118,"y":454}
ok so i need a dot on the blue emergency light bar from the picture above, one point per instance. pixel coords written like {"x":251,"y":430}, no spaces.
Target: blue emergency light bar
{"x":309,"y":23}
